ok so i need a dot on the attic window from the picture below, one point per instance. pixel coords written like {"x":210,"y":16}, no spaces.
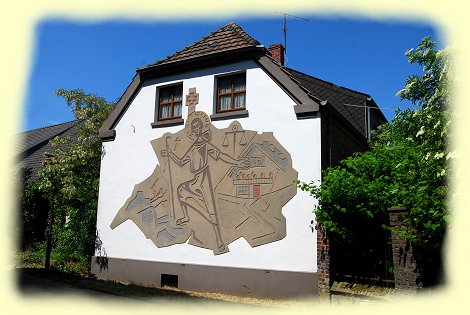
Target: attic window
{"x":170,"y":102}
{"x":231,"y":93}
{"x":47,"y":158}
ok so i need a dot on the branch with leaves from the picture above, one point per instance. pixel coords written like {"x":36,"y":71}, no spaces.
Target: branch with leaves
{"x":408,"y":163}
{"x":70,"y":180}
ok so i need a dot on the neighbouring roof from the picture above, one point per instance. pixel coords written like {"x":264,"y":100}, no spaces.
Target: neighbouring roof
{"x":34,"y":144}
{"x":231,"y":43}
{"x":347,"y":102}
{"x":228,"y":37}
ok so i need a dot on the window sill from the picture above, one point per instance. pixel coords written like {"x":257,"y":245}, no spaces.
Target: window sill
{"x":230,"y":115}
{"x":167,"y":123}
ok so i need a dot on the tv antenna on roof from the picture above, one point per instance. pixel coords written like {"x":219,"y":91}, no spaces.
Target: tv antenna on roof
{"x":284,"y":29}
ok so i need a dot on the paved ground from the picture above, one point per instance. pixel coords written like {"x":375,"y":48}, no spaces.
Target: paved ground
{"x":31,"y":284}
{"x":34,"y":282}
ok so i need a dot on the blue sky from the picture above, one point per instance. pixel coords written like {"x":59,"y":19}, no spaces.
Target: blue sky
{"x":101,"y":57}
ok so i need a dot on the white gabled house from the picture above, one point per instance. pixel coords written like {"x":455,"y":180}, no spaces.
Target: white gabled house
{"x":199,"y":160}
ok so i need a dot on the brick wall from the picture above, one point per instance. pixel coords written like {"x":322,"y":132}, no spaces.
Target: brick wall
{"x":405,"y":269}
{"x":323,"y":259}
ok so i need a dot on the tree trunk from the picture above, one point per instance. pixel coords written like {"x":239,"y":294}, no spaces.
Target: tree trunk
{"x":49,"y":239}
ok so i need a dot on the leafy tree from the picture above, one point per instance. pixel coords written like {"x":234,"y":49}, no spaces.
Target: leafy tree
{"x":70,"y":180}
{"x":33,"y":219}
{"x":407,"y":165}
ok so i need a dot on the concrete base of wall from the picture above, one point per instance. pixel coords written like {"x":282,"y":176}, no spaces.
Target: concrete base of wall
{"x":236,"y":281}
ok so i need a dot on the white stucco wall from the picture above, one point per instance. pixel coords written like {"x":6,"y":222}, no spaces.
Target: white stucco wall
{"x":130,"y":159}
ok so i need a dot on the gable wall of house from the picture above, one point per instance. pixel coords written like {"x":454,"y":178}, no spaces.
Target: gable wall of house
{"x":339,"y":141}
{"x":129,"y":159}
{"x":344,"y":143}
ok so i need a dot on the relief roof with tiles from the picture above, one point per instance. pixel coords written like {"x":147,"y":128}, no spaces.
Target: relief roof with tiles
{"x":228,"y":37}
{"x":33,"y":145}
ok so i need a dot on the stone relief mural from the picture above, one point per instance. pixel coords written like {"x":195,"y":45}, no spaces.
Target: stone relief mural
{"x":212,"y":186}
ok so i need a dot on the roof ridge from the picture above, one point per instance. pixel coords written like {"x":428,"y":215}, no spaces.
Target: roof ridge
{"x":190,"y":45}
{"x":232,"y":27}
{"x":248,"y":39}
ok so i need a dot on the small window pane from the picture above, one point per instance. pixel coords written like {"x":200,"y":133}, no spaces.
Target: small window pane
{"x":225,"y":86}
{"x":165,"y":111}
{"x":177,"y":109}
{"x":239,"y":100}
{"x":239,"y":83}
{"x":165,"y":96}
{"x":165,"y":99}
{"x":178,"y":94}
{"x":225,"y":102}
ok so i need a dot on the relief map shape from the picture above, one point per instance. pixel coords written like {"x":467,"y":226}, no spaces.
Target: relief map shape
{"x":212,"y":186}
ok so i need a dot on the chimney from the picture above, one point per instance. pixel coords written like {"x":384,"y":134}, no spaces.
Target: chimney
{"x":277,"y":53}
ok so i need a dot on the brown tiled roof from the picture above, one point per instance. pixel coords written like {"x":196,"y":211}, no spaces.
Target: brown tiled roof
{"x":228,"y":37}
